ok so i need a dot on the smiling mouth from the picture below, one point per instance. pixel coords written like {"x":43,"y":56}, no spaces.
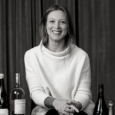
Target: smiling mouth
{"x":56,"y":32}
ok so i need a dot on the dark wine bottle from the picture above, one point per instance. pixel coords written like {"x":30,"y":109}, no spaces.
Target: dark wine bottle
{"x":111,"y":105}
{"x":100,"y":107}
{"x":17,"y":99}
{"x":3,"y":97}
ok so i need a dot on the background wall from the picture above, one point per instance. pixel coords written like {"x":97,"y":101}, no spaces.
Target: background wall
{"x":94,"y":23}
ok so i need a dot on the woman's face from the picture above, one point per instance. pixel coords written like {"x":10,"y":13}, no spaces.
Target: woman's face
{"x":56,"y":25}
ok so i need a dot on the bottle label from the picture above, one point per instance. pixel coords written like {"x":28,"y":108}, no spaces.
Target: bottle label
{"x":19,"y":107}
{"x":3,"y":111}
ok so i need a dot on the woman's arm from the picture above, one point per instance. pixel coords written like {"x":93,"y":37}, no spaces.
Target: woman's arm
{"x":37,"y":92}
{"x":83,"y":92}
{"x":49,"y":102}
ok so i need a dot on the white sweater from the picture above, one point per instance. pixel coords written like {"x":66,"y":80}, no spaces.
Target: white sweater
{"x":64,"y":75}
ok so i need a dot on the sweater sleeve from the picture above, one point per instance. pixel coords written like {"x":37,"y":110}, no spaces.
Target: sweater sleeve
{"x":83,"y":92}
{"x":37,"y":92}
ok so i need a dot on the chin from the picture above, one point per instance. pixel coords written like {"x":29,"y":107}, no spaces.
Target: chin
{"x":57,"y":39}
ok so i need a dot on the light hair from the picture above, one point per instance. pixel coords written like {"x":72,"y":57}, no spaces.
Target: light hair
{"x":42,"y":28}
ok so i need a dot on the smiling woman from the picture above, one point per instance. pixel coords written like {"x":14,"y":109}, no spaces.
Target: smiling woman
{"x":58,"y":71}
{"x":56,"y":27}
{"x":59,"y":13}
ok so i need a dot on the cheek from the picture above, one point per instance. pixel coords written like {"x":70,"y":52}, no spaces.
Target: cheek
{"x":48,"y":26}
{"x":48,"y":29}
{"x":65,"y":29}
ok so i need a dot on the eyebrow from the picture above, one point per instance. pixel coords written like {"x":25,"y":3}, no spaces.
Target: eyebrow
{"x":54,"y":19}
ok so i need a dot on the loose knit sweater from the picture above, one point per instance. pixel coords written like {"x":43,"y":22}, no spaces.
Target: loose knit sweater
{"x":64,"y":75}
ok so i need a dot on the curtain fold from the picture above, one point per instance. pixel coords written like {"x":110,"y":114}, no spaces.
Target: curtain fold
{"x":87,"y":17}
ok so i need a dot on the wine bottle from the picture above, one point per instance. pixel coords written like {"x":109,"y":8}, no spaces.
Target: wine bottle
{"x":17,"y":99}
{"x":100,"y":107}
{"x":3,"y":97}
{"x":111,"y":109}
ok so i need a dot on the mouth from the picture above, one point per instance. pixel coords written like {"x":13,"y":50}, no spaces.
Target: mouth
{"x":56,"y":31}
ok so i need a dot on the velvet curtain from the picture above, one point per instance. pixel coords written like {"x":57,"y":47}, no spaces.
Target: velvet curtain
{"x":96,"y":37}
{"x":94,"y":28}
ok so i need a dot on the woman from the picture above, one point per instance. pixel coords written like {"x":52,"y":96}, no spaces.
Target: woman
{"x":57,"y":71}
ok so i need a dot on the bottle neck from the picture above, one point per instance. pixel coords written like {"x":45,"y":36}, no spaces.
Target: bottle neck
{"x":17,"y":85}
{"x":17,"y":81}
{"x":100,"y":91}
{"x":110,"y":110}
{"x":111,"y":105}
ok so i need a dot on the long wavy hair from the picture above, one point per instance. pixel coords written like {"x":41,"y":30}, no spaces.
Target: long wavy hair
{"x":42,"y":28}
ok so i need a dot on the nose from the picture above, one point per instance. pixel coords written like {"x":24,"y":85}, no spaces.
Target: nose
{"x":57,"y":25}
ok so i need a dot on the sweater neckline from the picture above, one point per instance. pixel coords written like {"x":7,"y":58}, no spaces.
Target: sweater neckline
{"x":57,"y":54}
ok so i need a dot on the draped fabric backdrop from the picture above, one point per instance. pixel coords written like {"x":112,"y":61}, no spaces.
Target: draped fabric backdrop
{"x":94,"y":23}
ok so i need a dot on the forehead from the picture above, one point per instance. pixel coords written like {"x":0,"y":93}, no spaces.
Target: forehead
{"x":57,"y":14}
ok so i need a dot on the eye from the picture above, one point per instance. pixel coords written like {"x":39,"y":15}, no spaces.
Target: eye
{"x":51,"y":21}
{"x":63,"y":22}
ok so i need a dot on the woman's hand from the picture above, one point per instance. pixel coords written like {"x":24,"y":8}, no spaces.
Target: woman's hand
{"x":62,"y":106}
{"x":66,"y":107}
{"x":77,"y":106}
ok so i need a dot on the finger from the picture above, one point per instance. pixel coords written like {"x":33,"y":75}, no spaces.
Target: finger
{"x":65,"y":113}
{"x":73,"y":107}
{"x":60,"y":113}
{"x":74,"y":103}
{"x":70,"y":110}
{"x":69,"y":101}
{"x":71,"y":114}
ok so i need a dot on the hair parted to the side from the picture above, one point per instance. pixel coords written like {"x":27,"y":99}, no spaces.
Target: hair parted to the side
{"x":42,"y":27}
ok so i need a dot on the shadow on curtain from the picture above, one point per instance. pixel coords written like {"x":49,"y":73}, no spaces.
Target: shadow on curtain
{"x":94,"y":23}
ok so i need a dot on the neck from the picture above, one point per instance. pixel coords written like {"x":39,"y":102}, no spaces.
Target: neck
{"x":56,"y":46}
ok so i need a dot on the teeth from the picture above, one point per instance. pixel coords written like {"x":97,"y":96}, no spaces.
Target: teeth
{"x":56,"y":32}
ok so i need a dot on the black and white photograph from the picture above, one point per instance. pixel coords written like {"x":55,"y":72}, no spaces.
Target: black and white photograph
{"x":57,"y":57}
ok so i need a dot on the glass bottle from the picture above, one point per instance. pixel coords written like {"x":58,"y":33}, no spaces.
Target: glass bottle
{"x":3,"y":97}
{"x":111,"y":109}
{"x":17,"y":99}
{"x":100,"y":107}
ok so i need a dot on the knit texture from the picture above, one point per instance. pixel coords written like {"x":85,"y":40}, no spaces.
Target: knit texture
{"x":64,"y":75}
